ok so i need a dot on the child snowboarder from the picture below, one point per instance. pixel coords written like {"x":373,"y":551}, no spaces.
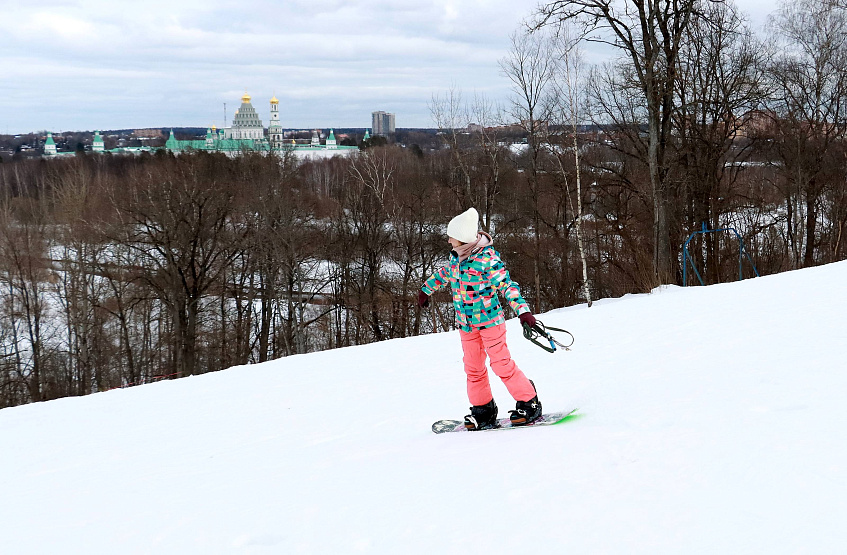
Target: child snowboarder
{"x":476,"y":274}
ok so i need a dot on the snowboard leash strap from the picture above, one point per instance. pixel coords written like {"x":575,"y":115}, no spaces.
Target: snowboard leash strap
{"x":533,"y":333}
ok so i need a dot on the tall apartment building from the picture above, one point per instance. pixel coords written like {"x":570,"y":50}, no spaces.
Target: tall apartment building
{"x":382,"y":123}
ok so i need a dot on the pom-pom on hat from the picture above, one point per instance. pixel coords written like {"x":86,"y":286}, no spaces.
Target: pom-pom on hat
{"x":464,"y":227}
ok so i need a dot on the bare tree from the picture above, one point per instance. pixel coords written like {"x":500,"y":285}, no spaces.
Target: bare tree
{"x":24,"y":276}
{"x":78,"y":290}
{"x":809,"y":73}
{"x":489,"y":117}
{"x":567,"y":83}
{"x":470,"y":131}
{"x":530,"y":67}
{"x":649,"y":35}
{"x":178,"y":220}
{"x":721,"y":90}
{"x":451,"y":118}
{"x":365,"y":216}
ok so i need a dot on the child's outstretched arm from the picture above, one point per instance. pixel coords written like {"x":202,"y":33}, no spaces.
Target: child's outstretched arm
{"x":437,"y":280}
{"x":500,"y":280}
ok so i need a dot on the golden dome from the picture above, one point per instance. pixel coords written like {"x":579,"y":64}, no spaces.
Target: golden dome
{"x":245,"y":98}
{"x":274,"y":100}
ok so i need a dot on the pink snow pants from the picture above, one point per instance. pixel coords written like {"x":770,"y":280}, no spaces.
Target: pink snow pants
{"x":492,"y":341}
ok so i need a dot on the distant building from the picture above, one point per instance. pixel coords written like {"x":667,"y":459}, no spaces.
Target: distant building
{"x":382,"y":123}
{"x":275,"y":129}
{"x":51,"y":150}
{"x":98,"y":145}
{"x":148,"y":133}
{"x":50,"y":146}
{"x":246,"y":123}
{"x":245,"y":135}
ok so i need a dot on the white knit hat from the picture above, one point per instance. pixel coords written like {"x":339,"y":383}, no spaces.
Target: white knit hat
{"x":464,"y":227}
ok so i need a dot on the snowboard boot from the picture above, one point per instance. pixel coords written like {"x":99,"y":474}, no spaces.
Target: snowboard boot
{"x":526,"y":412}
{"x":482,"y":417}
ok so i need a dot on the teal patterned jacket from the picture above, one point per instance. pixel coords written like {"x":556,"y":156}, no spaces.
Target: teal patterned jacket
{"x":475,"y":284}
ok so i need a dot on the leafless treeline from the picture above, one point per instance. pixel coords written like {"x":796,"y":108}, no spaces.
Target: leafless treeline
{"x":120,"y":270}
{"x":713,"y":124}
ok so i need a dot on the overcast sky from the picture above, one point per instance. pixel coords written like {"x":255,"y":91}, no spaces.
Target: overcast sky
{"x":112,"y":64}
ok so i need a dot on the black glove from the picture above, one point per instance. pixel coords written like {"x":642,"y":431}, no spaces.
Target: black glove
{"x":527,"y":319}
{"x":423,"y":299}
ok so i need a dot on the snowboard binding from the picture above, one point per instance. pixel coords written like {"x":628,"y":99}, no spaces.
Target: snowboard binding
{"x":482,"y":417}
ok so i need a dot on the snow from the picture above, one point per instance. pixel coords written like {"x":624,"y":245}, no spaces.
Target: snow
{"x":713,"y":420}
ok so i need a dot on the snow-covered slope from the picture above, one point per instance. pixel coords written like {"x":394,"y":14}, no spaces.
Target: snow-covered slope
{"x":714,"y":420}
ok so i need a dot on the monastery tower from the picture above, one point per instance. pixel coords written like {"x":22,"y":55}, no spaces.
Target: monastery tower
{"x":275,"y":129}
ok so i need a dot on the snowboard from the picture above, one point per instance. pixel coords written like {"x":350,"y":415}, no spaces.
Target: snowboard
{"x":445,"y":426}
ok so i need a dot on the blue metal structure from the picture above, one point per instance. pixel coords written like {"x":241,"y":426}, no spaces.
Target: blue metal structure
{"x":742,"y":252}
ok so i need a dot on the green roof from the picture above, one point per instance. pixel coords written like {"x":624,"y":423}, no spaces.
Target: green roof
{"x":214,"y":143}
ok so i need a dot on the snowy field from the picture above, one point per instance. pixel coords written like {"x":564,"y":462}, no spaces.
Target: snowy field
{"x":713,"y":420}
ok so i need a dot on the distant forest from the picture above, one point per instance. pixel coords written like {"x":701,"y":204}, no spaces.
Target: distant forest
{"x":121,"y":270}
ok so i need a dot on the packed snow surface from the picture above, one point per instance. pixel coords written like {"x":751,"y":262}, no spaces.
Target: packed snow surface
{"x":713,"y":420}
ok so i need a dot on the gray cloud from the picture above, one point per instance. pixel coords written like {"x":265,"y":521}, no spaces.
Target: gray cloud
{"x":100,"y":64}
